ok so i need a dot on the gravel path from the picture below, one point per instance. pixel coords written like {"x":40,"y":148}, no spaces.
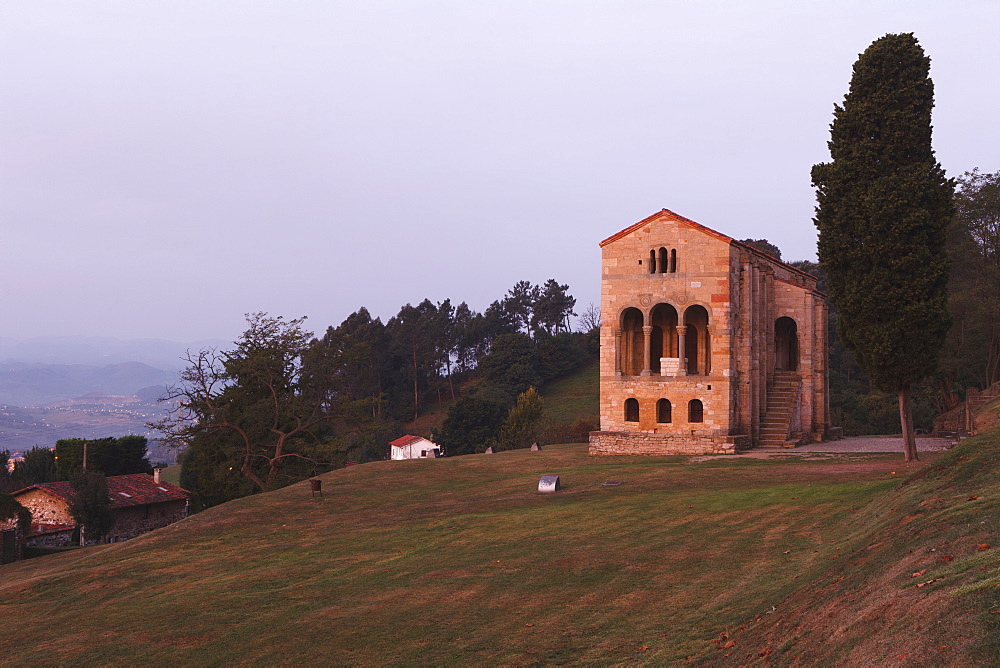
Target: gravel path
{"x":891,"y":444}
{"x":876,"y":444}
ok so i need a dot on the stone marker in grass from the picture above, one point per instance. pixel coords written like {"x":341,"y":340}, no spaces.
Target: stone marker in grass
{"x":535,"y":447}
{"x":548,"y":484}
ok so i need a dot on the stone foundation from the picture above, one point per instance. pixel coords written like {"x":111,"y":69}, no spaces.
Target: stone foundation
{"x":639,"y":443}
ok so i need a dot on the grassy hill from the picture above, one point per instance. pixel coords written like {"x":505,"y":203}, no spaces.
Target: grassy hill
{"x":460,"y":561}
{"x":574,"y":396}
{"x":566,"y":399}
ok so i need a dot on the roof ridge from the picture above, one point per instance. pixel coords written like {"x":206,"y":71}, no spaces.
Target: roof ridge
{"x":667,"y":213}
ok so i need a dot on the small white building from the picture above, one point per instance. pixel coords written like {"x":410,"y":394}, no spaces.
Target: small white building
{"x":413,"y":447}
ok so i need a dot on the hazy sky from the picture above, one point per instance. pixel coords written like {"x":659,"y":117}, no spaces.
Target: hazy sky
{"x":166,"y":167}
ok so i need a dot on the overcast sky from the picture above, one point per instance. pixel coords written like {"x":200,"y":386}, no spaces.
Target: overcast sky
{"x":166,"y":167}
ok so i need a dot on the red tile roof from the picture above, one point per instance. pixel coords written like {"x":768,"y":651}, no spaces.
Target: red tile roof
{"x":136,"y":489}
{"x":404,"y":441}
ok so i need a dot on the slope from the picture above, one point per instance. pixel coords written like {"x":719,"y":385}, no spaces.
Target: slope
{"x":916,"y":580}
{"x":460,"y":560}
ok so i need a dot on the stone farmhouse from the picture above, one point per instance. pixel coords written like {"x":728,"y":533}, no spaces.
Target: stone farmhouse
{"x":140,"y":503}
{"x":707,"y":344}
{"x":413,"y":447}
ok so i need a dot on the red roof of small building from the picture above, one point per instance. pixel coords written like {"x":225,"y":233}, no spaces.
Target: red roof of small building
{"x":404,"y":441}
{"x":136,"y":489}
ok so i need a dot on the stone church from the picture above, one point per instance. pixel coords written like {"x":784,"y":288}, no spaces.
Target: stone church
{"x":707,"y":344}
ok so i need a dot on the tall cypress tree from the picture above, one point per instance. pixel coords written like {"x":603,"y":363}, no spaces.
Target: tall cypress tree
{"x":884,"y":205}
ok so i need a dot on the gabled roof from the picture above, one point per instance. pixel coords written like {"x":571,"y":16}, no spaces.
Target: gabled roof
{"x":136,"y":489}
{"x":667,"y":214}
{"x":409,"y":439}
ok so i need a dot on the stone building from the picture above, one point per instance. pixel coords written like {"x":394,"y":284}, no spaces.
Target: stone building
{"x":707,"y":344}
{"x":140,"y":503}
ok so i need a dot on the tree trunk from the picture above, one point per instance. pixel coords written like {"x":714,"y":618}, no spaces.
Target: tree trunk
{"x":906,"y":421}
{"x":416,"y":396}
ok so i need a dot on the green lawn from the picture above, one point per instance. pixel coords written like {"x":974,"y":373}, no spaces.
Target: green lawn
{"x":576,"y":395}
{"x":453,"y":561}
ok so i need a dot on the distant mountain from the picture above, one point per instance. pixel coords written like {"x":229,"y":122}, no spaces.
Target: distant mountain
{"x":101,"y":351}
{"x":35,"y":384}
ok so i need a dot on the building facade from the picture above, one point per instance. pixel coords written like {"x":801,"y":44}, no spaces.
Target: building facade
{"x":708,"y":345}
{"x":139,"y":502}
{"x":413,"y":447}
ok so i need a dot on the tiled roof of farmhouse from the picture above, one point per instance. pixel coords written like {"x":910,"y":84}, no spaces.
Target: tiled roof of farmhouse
{"x":404,"y":441}
{"x":670,"y":215}
{"x":136,"y":489}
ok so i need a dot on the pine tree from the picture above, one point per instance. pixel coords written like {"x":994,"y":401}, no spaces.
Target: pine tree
{"x":884,"y":205}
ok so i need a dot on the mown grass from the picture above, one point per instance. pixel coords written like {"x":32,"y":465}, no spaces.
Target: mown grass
{"x":171,"y":474}
{"x":452,"y":561}
{"x":917,"y":581}
{"x":574,"y":396}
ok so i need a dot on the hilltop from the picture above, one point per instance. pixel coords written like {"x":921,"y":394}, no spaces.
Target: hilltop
{"x":460,"y":560}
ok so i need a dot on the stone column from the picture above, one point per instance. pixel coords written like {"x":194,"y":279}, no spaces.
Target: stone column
{"x":681,"y":334}
{"x":618,"y":351}
{"x":708,"y":352}
{"x":647,"y":338}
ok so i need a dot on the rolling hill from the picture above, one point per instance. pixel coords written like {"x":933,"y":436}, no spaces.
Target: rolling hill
{"x":457,"y":561}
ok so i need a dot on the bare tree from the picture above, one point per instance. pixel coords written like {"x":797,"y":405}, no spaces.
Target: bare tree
{"x":255,"y":395}
{"x":590,"y":319}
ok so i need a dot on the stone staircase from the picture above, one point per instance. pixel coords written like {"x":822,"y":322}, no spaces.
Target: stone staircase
{"x":781,"y":401}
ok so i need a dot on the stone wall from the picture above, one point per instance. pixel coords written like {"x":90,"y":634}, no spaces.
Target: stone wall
{"x":45,"y":508}
{"x":137,"y":520}
{"x":62,"y":538}
{"x":637,"y":443}
{"x":716,"y":303}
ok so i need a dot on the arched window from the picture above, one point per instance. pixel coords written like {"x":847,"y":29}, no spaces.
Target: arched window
{"x":633,"y":342}
{"x":697,"y":342}
{"x":661,"y":266}
{"x":663,"y":409}
{"x":631,"y":410}
{"x":663,"y":343}
{"x":673,"y":260}
{"x":696,"y":412}
{"x":652,"y":261}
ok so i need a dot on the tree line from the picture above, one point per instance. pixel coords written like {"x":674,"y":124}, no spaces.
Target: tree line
{"x":283,"y":404}
{"x":109,"y":456}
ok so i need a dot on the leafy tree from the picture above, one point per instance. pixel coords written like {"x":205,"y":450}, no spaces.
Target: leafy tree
{"x":210,"y":468}
{"x":472,"y":425}
{"x":38,"y":465}
{"x":552,"y":308}
{"x":972,"y":350}
{"x":520,"y":304}
{"x":411,"y":332}
{"x":111,"y":456}
{"x":6,"y":479}
{"x":561,"y":354}
{"x":764,"y":246}
{"x":90,"y":506}
{"x":351,"y":361}
{"x":252,"y":404}
{"x":512,"y":364}
{"x":884,"y":205}
{"x":523,"y":423}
